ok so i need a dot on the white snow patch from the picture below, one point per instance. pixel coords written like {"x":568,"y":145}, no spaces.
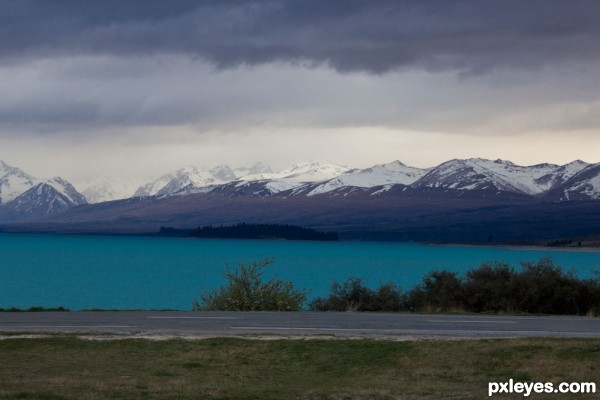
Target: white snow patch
{"x":378,"y":175}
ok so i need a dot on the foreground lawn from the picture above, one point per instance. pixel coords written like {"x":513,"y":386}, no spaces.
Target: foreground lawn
{"x":70,"y":368}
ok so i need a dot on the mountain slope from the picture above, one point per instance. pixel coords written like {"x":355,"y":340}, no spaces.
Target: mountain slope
{"x":584,"y":185}
{"x":187,"y":177}
{"x":498,"y":176}
{"x":395,"y":215}
{"x":13,"y":182}
{"x":48,"y":198}
{"x":296,"y":176}
{"x":471,"y":177}
{"x":453,"y":198}
{"x":379,"y":175}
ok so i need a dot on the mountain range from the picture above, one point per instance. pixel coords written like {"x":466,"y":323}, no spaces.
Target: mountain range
{"x":389,"y":200}
{"x":23,"y":196}
{"x":573,"y":181}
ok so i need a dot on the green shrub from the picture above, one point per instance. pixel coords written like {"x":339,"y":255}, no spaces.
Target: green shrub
{"x":439,"y":291}
{"x":544,"y":287}
{"x":352,"y":295}
{"x":245,"y":291}
{"x":539,"y":287}
{"x":387,"y":297}
{"x":491,"y":287}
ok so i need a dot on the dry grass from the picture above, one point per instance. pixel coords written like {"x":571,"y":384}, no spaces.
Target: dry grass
{"x":70,"y":368}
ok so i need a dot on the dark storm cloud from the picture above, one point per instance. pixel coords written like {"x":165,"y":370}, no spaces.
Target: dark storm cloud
{"x":372,"y":36}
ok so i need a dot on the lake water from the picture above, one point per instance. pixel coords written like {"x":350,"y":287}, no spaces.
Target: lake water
{"x":119,"y":272}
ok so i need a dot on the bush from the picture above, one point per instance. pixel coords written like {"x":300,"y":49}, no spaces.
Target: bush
{"x":491,"y":287}
{"x":545,"y":288}
{"x":540,"y":287}
{"x":439,"y":291}
{"x":245,"y":291}
{"x":352,"y":295}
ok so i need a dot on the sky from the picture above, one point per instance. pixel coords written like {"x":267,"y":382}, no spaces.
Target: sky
{"x":140,"y":88}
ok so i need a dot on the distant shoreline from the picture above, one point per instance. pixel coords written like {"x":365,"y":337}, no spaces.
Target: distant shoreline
{"x":585,"y":247}
{"x":517,"y":246}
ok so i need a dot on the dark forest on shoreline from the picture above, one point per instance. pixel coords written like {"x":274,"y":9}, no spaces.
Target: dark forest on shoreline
{"x":252,"y":231}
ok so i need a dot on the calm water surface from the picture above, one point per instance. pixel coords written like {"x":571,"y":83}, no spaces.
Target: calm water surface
{"x":115,"y":272}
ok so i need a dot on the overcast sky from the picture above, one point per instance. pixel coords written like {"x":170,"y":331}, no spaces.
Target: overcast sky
{"x":118,"y":87}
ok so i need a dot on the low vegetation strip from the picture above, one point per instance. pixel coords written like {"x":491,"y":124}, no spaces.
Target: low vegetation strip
{"x":538,"y":288}
{"x":71,"y":368}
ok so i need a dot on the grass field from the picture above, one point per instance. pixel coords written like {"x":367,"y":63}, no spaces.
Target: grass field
{"x":70,"y":368}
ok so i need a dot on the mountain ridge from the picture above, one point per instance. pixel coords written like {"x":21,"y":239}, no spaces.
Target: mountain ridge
{"x":24,"y":196}
{"x":467,"y":200}
{"x":458,"y":174}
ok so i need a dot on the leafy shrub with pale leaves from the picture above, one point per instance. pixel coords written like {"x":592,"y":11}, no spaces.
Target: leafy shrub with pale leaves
{"x":246,"y":291}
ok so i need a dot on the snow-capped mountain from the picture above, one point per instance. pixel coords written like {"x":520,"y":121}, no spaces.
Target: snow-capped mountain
{"x":189,"y":178}
{"x":23,"y":196}
{"x":584,"y":185}
{"x":468,"y":200}
{"x":312,"y":171}
{"x":66,"y":191}
{"x":51,"y":197}
{"x":192,"y":179}
{"x":13,"y":182}
{"x":99,"y":189}
{"x":498,"y":176}
{"x":475,"y":176}
{"x":385,"y":175}
{"x":295,"y":176}
{"x":469,"y":179}
{"x":152,"y":188}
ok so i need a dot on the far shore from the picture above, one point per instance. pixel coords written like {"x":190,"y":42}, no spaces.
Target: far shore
{"x":587,"y":245}
{"x":514,"y":246}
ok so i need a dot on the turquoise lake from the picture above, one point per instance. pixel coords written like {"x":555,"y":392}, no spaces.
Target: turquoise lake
{"x":123,"y":272}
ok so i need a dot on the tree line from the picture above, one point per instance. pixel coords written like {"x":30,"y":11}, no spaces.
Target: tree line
{"x":540,"y":287}
{"x":262,"y":231}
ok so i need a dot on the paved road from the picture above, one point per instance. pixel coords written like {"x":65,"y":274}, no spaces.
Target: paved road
{"x":298,"y":323}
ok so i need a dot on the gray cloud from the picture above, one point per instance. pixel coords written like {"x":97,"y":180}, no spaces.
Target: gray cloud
{"x":348,"y":35}
{"x":90,"y":85}
{"x":108,"y":94}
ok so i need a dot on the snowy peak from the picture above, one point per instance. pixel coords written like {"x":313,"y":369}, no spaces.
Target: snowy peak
{"x":299,"y":175}
{"x":44,"y":199}
{"x":13,"y":182}
{"x":480,"y":177}
{"x":187,"y":178}
{"x":379,"y":175}
{"x":313,"y":178}
{"x":583,"y":185}
{"x":462,"y":175}
{"x":312,"y":171}
{"x":499,"y":175}
{"x":67,"y":191}
{"x":23,"y":195}
{"x":293,"y":177}
{"x":152,"y":188}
